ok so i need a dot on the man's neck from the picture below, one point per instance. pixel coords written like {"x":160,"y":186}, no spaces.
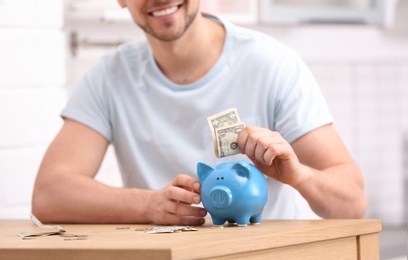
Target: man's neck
{"x":189,"y":58}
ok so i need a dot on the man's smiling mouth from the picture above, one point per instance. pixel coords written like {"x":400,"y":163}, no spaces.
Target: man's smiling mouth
{"x":164,"y":12}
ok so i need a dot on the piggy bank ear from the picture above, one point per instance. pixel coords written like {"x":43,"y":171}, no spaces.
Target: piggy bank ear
{"x":203,"y":170}
{"x":243,"y":168}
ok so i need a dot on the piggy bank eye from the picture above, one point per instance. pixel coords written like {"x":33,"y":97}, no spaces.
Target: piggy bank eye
{"x":222,"y":178}
{"x":218,"y":178}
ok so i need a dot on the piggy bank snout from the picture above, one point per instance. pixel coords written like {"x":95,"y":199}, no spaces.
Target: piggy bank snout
{"x":220,"y":197}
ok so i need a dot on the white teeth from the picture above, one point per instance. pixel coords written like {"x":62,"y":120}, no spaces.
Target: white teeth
{"x":165,"y":12}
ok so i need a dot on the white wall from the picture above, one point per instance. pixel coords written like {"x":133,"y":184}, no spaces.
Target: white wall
{"x":32,"y":75}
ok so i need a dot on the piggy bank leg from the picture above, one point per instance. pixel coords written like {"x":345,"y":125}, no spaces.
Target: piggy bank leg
{"x":256,"y":219}
{"x":218,"y":221}
{"x":243,"y":221}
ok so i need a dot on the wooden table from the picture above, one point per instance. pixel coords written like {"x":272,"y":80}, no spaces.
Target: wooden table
{"x":271,"y":239}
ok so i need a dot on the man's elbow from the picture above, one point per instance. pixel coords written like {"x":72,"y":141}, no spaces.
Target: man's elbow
{"x":356,"y":209}
{"x":360,"y":208}
{"x":41,"y":205}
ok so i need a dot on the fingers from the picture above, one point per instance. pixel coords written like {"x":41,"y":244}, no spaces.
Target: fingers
{"x":270,"y":154}
{"x":172,"y":205}
{"x":184,"y":189}
{"x":181,"y":195}
{"x":180,"y":209}
{"x":176,"y":213}
{"x":187,"y":182}
{"x":261,"y":144}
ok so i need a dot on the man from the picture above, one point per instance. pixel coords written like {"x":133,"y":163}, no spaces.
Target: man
{"x":150,"y":100}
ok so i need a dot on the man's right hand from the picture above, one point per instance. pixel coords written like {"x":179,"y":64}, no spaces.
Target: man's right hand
{"x":173,"y":204}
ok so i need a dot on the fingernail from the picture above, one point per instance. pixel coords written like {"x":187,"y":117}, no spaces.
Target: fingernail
{"x":196,"y":186}
{"x":203,"y":212}
{"x":196,"y":199}
{"x":202,"y":221}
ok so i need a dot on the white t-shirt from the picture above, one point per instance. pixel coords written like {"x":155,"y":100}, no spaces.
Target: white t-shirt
{"x":159,"y":129}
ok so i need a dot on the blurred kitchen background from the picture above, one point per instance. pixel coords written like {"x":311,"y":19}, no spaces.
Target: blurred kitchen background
{"x":357,"y":50}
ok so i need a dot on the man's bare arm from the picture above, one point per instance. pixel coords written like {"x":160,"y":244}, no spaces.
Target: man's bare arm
{"x":335,"y":188}
{"x":66,"y":191}
{"x":317,"y":164}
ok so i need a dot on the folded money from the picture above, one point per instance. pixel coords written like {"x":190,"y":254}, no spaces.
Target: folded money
{"x":225,"y":128}
{"x":168,"y":229}
{"x":57,"y":230}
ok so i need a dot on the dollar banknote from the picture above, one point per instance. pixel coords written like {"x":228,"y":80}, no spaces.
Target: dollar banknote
{"x":227,"y":139}
{"x":168,"y":229}
{"x":225,"y":128}
{"x":51,"y":230}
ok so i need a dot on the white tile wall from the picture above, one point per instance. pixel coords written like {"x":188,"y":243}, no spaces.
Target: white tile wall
{"x":32,"y":66}
{"x":30,"y":115}
{"x":31,"y":57}
{"x":404,"y":98}
{"x":31,"y":13}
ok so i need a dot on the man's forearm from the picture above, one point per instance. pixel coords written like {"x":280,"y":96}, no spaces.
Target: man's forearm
{"x":335,"y":192}
{"x":80,"y":199}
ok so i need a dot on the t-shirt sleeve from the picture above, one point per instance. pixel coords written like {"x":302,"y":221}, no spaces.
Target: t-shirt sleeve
{"x":89,"y":102}
{"x":301,"y":106}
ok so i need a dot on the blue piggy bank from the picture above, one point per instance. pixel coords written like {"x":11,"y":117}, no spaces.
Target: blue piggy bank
{"x":234,"y":191}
